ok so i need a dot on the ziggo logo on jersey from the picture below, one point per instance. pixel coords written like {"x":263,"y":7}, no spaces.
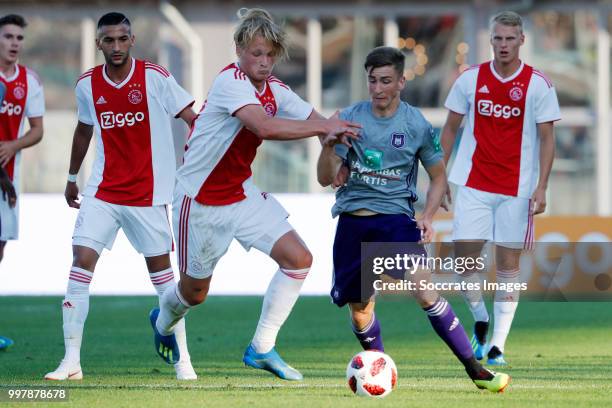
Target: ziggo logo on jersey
{"x":488,"y":108}
{"x":109,"y":120}
{"x":10,"y":109}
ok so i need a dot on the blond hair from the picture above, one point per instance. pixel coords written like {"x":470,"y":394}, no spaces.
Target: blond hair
{"x":258,"y":21}
{"x":507,"y":18}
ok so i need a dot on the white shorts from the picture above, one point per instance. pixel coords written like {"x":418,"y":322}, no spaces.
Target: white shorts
{"x":9,"y":220}
{"x":203,"y":232}
{"x":147,"y":228}
{"x":500,"y":218}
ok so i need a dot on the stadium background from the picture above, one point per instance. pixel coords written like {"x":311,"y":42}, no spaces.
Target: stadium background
{"x":569,"y":41}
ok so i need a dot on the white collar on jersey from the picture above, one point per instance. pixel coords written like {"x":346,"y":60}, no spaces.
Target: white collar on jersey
{"x":511,"y":77}
{"x":125,"y":81}
{"x":13,"y":77}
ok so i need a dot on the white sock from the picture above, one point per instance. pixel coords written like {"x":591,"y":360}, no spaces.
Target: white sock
{"x":161,"y":281}
{"x":172,"y":308}
{"x":504,"y":308}
{"x":474,"y":297}
{"x":75,"y":308}
{"x":279,"y":299}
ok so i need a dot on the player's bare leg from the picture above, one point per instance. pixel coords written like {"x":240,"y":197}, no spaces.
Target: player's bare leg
{"x":2,"y":245}
{"x":506,"y":302}
{"x":162,"y":278}
{"x":294,"y":261}
{"x":448,"y":327}
{"x":474,"y":299}
{"x":366,"y":326}
{"x":75,"y":308}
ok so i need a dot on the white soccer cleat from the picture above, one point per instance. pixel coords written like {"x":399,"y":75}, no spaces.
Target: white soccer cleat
{"x":185,"y":371}
{"x":66,"y":371}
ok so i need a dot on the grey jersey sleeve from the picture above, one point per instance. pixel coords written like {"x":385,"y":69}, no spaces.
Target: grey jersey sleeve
{"x":430,"y":152}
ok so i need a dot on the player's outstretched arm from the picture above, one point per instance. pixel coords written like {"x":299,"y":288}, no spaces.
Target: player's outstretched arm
{"x":437,"y":188}
{"x":8,"y":190}
{"x":8,"y":149}
{"x":273,"y":128}
{"x":80,"y":144}
{"x":547,"y":154}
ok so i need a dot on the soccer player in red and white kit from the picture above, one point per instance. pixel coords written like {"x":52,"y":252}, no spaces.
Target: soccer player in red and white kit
{"x":129,"y":104}
{"x":22,"y":97}
{"x":501,"y":169}
{"x":216,"y":201}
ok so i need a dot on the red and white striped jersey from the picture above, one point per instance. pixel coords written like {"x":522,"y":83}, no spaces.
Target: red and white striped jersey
{"x":24,"y":98}
{"x":220,"y":149}
{"x":499,"y":148}
{"x":135,"y":162}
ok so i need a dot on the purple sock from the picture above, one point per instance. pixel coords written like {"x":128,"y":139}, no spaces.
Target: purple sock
{"x":370,"y":337}
{"x":448,"y":327}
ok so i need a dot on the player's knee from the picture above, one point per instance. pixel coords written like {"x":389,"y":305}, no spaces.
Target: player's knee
{"x":301,"y":259}
{"x":195,"y":296}
{"x":85,"y":258}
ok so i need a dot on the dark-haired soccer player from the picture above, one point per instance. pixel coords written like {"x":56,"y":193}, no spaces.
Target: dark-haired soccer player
{"x":376,"y":205}
{"x":129,"y":104}
{"x":22,"y":97}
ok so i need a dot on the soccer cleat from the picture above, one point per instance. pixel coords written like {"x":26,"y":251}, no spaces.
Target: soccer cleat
{"x":477,"y":347}
{"x":184,"y":371}
{"x":165,"y":346}
{"x":497,"y":383}
{"x":5,"y":343}
{"x":271,"y":362}
{"x":66,"y":371}
{"x":496,"y":357}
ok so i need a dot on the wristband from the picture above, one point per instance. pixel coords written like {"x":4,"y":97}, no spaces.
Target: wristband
{"x":72,"y":178}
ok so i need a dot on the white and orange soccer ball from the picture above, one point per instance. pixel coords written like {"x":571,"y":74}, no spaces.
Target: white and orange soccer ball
{"x":372,"y":374}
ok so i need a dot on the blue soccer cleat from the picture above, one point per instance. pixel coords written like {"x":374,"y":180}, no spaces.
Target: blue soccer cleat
{"x":5,"y":343}
{"x":478,"y":348}
{"x":165,"y":346}
{"x":496,"y":357}
{"x":271,"y":362}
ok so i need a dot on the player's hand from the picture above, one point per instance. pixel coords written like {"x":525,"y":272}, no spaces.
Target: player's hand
{"x":342,"y":129}
{"x":8,"y":191}
{"x":7,"y":151}
{"x":447,"y":200}
{"x":427,"y":230}
{"x":72,"y":195}
{"x":537,"y":205}
{"x":341,"y":177}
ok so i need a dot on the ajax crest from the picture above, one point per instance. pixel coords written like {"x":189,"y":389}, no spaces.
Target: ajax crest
{"x":135,"y":96}
{"x":516,"y":94}
{"x":19,"y":92}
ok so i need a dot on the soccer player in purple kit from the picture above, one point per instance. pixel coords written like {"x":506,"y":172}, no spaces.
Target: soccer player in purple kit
{"x":376,"y":205}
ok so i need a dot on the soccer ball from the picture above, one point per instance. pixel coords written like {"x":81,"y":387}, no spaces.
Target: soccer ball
{"x":372,"y":374}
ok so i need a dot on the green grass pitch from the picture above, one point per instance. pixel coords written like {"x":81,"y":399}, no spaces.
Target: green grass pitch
{"x":561,"y":356}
